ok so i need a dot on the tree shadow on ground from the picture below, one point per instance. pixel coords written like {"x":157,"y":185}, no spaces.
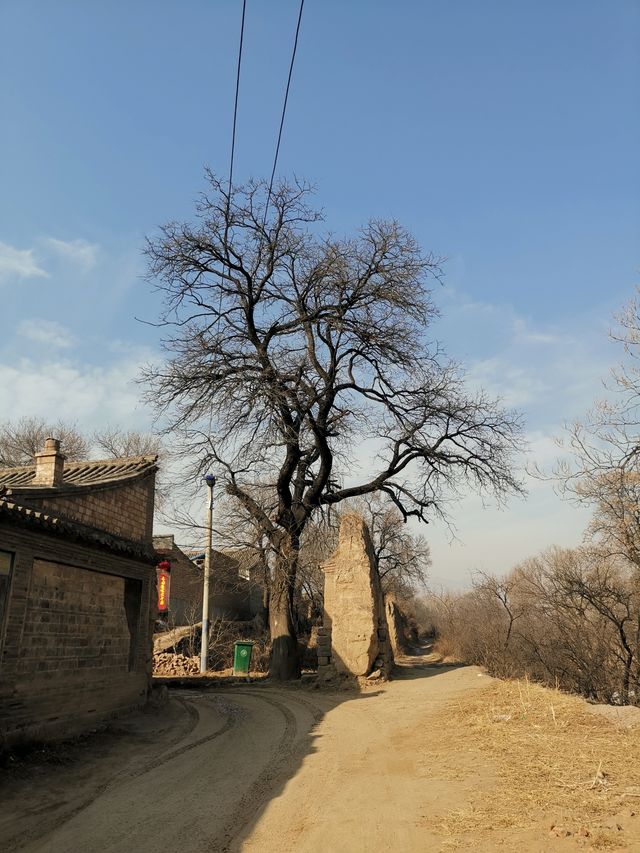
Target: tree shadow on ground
{"x":259,"y":797}
{"x":233,"y":782}
{"x":316,"y":701}
{"x":411,"y":666}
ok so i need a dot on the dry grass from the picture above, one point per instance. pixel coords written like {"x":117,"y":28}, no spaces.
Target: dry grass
{"x":554,"y":760}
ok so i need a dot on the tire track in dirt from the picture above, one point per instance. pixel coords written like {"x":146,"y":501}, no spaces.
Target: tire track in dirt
{"x":125,"y":776}
{"x":258,"y":791}
{"x":158,"y":762}
{"x":281,"y":743}
{"x":316,"y":712}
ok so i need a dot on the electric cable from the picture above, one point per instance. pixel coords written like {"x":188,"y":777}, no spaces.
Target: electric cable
{"x":233,"y":148}
{"x":231,"y":160}
{"x":235,"y":104}
{"x":284,"y":111}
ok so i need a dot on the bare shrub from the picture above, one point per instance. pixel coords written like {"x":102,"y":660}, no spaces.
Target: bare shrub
{"x":567,"y":618}
{"x":223,"y":634}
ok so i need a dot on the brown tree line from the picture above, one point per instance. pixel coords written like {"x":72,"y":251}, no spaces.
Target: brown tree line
{"x":22,"y":438}
{"x":571,"y":617}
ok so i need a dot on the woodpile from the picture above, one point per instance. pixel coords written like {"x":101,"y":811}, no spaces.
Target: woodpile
{"x":166,"y":663}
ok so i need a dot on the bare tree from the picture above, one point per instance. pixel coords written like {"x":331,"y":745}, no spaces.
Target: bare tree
{"x":118,"y":442}
{"x":603,"y":586}
{"x":403,"y":558}
{"x":287,"y":349}
{"x":20,"y":440}
{"x":318,"y":542}
{"x":568,"y":618}
{"x":504,"y":590}
{"x":603,"y":470}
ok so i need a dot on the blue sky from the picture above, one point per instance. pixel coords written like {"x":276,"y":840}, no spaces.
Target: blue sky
{"x":504,"y":135}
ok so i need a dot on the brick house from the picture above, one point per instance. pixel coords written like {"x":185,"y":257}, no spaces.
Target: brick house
{"x":77,"y":592}
{"x":236,"y":588}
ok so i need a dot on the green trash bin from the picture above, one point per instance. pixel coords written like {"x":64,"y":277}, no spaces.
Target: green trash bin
{"x":242,"y":657}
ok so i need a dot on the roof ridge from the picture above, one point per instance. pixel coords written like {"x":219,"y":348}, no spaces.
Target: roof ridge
{"x":113,"y":460}
{"x":87,"y":472}
{"x":148,"y":457}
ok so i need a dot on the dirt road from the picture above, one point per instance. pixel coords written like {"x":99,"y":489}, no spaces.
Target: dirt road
{"x":255,"y":768}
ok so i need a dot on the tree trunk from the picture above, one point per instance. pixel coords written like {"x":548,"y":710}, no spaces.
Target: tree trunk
{"x":285,"y":659}
{"x":263,"y":614}
{"x":626,"y":679}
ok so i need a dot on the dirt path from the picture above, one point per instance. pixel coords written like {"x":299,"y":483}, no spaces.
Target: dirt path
{"x":365,"y":786}
{"x":255,"y":769}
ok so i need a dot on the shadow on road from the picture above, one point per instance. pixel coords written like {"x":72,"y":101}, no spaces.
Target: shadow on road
{"x":418,"y":664}
{"x":269,"y":786}
{"x":205,"y":767}
{"x":422,"y":662}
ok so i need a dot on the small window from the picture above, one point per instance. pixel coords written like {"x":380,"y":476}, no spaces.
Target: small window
{"x":6,"y":563}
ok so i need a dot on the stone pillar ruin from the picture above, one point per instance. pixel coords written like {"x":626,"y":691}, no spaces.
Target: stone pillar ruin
{"x":395,"y":626}
{"x":353,"y":640}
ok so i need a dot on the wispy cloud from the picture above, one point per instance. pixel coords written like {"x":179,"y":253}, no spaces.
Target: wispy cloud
{"x":79,"y":252}
{"x":552,"y":372}
{"x":19,"y":263}
{"x":46,"y":332}
{"x":515,"y":383}
{"x":89,"y":395}
{"x":525,"y":334}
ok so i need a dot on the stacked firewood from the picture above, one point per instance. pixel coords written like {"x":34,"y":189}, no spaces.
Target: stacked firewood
{"x":166,"y":663}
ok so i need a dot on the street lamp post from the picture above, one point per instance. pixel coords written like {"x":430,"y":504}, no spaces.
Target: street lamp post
{"x":210,"y":480}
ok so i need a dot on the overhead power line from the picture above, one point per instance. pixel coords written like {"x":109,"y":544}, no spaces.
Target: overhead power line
{"x":231,"y":157}
{"x":284,"y":109}
{"x":235,"y":103}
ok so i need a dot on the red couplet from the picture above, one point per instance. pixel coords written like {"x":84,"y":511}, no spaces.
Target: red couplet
{"x":163,"y":572}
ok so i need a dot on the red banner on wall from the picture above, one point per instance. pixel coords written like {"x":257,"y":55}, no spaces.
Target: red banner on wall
{"x":163,"y":572}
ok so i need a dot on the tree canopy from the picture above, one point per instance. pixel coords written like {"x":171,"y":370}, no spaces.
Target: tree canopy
{"x":20,"y":440}
{"x":300,"y":361}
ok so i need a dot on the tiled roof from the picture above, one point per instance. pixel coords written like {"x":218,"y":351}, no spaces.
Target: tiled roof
{"x":89,"y":473}
{"x":242,"y":561}
{"x":247,"y":558}
{"x":44,"y":522}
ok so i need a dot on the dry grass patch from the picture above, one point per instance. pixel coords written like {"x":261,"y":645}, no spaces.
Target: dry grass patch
{"x":556,"y":764}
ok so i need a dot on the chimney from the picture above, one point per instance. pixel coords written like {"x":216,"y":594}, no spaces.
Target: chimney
{"x":49,"y":464}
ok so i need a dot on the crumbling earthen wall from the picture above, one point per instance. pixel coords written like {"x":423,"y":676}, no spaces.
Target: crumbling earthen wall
{"x":354,"y":638}
{"x":395,"y":626}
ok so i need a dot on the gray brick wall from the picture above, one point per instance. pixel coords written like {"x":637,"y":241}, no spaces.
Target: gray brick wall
{"x":66,"y":647}
{"x":125,"y":509}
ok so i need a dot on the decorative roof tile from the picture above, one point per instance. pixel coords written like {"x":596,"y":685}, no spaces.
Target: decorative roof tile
{"x":88,"y":473}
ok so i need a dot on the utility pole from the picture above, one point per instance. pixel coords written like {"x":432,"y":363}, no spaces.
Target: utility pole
{"x":210,"y":480}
